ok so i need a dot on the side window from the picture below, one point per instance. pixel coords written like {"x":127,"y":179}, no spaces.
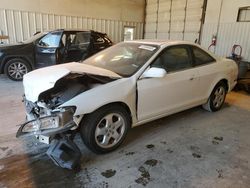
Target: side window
{"x":50,"y":40}
{"x":98,"y":39}
{"x":81,"y":38}
{"x":201,"y":57}
{"x":107,"y":39}
{"x":173,"y":59}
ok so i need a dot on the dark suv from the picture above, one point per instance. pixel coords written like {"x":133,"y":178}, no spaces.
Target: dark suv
{"x":50,"y":48}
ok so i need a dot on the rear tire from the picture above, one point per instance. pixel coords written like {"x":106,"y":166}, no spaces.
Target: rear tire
{"x":105,"y":129}
{"x":217,"y":98}
{"x":16,"y":68}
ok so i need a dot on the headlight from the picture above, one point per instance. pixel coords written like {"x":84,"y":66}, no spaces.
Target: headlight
{"x":58,"y":122}
{"x":49,"y":122}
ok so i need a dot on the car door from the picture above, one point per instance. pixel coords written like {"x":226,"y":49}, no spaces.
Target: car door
{"x":172,"y":93}
{"x":207,"y":69}
{"x":47,"y":49}
{"x":78,"y":44}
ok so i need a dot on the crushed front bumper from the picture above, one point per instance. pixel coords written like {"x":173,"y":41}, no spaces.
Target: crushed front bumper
{"x":51,"y":127}
{"x":57,"y":122}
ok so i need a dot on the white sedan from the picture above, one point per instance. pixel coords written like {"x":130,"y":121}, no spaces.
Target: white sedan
{"x":126,"y":85}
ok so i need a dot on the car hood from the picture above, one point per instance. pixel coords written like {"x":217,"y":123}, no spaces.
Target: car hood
{"x":43,"y":79}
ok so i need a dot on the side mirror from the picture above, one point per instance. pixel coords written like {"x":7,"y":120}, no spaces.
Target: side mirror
{"x":154,"y":72}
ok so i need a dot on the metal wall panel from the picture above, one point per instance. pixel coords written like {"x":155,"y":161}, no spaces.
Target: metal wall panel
{"x":151,"y":19}
{"x":228,"y":35}
{"x":20,"y":25}
{"x":173,"y":19}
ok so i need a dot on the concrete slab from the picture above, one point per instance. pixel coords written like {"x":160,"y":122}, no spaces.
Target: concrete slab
{"x":193,"y":148}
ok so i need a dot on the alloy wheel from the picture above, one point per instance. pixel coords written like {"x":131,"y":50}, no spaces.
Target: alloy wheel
{"x":219,"y":96}
{"x":110,"y":130}
{"x":17,"y":69}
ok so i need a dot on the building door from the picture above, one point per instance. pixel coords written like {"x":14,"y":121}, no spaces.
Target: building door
{"x":174,"y":19}
{"x":129,"y":33}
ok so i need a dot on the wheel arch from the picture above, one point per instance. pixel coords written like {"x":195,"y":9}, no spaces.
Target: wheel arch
{"x":224,"y":81}
{"x":118,"y":103}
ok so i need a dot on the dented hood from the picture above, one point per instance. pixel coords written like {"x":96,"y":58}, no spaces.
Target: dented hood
{"x":43,"y":79}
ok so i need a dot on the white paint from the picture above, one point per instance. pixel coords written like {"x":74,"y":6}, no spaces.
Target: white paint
{"x":34,"y":85}
{"x":157,"y":97}
{"x":154,"y":73}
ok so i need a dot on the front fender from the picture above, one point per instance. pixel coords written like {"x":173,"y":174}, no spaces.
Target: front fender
{"x":122,"y":90}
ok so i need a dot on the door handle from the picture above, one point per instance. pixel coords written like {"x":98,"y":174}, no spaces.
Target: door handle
{"x":192,"y":78}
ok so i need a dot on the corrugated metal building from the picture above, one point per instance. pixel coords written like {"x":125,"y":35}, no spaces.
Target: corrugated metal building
{"x":200,"y":20}
{"x":20,"y":25}
{"x":192,"y":20}
{"x":21,"y":19}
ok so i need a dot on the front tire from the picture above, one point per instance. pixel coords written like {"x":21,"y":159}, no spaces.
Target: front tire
{"x":105,"y":129}
{"x":16,"y":68}
{"x":217,"y":98}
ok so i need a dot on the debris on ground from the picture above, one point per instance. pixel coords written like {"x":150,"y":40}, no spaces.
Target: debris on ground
{"x":150,"y":146}
{"x":196,"y":151}
{"x":163,"y":142}
{"x":130,"y":153}
{"x":196,"y":155}
{"x":151,"y":162}
{"x":217,"y":139}
{"x":220,"y":171}
{"x":145,"y":176}
{"x":108,"y":173}
{"x":170,"y":151}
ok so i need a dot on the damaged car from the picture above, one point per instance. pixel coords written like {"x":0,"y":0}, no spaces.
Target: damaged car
{"x":124,"y":86}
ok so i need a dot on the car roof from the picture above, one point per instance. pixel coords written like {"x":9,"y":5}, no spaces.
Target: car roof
{"x":166,"y":43}
{"x":77,"y":30}
{"x":161,"y":42}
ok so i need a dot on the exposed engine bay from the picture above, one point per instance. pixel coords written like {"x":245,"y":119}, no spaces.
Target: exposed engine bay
{"x":69,"y":87}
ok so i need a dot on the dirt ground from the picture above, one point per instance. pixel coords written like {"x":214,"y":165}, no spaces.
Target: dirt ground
{"x":194,"y":148}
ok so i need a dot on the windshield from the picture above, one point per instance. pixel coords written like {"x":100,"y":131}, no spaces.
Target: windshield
{"x":124,"y":58}
{"x":34,"y":37}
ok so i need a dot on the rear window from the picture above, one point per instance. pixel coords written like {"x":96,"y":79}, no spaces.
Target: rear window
{"x":201,"y":57}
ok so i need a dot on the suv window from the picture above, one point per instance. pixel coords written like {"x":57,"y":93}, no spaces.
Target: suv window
{"x":173,"y":59}
{"x":50,"y":40}
{"x":107,"y":39}
{"x":98,"y":39}
{"x":201,"y":57}
{"x":81,"y":38}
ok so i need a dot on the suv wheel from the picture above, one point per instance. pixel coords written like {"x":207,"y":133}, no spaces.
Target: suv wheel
{"x":16,"y":68}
